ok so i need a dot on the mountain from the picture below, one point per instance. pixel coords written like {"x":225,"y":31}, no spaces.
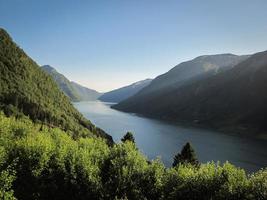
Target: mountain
{"x":234,"y":99}
{"x":85,"y":94}
{"x":123,"y":93}
{"x":207,"y":64}
{"x":198,"y":68}
{"x":63,"y":83}
{"x":25,"y":89}
{"x":73,"y":90}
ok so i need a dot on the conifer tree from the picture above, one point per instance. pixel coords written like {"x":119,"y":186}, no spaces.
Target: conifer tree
{"x":128,"y":137}
{"x":187,"y":156}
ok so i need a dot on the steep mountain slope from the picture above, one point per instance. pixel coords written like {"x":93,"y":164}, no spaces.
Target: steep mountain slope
{"x":85,"y":94}
{"x":63,"y":83}
{"x":123,"y":93}
{"x":73,"y":90}
{"x":25,"y":89}
{"x":187,"y":70}
{"x":235,"y":98}
{"x":198,"y":68}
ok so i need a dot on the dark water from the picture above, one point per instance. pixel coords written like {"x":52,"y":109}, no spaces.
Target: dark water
{"x":162,"y":139}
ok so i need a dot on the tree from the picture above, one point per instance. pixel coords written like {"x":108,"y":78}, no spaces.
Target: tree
{"x":128,"y":137}
{"x":187,"y":156}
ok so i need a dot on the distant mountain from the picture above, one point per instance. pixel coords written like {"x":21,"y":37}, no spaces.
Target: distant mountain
{"x":123,"y":93}
{"x":63,"y":83}
{"x":85,"y":94}
{"x":26,"y":90}
{"x":73,"y":90}
{"x":234,"y":98}
{"x":207,"y":64}
{"x":198,"y":68}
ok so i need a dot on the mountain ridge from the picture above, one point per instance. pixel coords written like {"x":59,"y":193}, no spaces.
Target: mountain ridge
{"x":178,"y":75}
{"x":73,"y":90}
{"x":26,"y":90}
{"x":194,"y":67}
{"x":125,"y":92}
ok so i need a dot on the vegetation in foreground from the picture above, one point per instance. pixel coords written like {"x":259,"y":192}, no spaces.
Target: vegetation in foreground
{"x":38,"y":162}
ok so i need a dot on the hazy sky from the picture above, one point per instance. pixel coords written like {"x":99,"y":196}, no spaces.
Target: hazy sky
{"x":108,"y":44}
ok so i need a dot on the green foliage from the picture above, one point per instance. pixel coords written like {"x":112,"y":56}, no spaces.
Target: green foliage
{"x":127,"y":173}
{"x":48,"y":163}
{"x":6,"y":177}
{"x":128,"y":137}
{"x":25,"y":89}
{"x":237,"y":183}
{"x":187,"y":156}
{"x":40,"y":163}
{"x":258,"y":185}
{"x":209,"y":181}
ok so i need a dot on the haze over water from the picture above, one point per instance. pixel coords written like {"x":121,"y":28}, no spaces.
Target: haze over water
{"x":162,"y":139}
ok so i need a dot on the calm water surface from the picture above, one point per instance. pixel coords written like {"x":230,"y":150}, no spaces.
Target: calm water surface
{"x":162,"y":139}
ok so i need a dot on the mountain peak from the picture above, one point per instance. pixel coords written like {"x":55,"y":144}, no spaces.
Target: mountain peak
{"x":4,"y":34}
{"x":49,"y":68}
{"x":215,"y":55}
{"x":142,"y":82}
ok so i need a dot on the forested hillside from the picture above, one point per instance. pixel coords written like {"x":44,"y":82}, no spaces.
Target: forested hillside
{"x":25,"y":89}
{"x":73,"y":90}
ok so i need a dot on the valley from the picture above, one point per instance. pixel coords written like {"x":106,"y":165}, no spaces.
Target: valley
{"x":133,"y":100}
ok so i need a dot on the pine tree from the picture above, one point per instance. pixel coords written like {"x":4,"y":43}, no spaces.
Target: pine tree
{"x":187,"y":156}
{"x":128,"y":137}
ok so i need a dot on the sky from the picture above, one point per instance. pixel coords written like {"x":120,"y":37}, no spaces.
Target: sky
{"x":106,"y":44}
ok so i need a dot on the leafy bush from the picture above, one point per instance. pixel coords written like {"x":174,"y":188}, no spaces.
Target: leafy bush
{"x":40,"y":163}
{"x":258,"y":184}
{"x":7,"y":176}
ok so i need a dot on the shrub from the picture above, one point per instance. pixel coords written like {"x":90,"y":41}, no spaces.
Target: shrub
{"x":258,"y":185}
{"x":41,"y":163}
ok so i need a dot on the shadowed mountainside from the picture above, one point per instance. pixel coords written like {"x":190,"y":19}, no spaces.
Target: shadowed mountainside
{"x":123,"y":93}
{"x":234,"y":98}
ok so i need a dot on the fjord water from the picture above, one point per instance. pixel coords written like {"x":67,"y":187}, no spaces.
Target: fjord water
{"x":157,"y":138}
